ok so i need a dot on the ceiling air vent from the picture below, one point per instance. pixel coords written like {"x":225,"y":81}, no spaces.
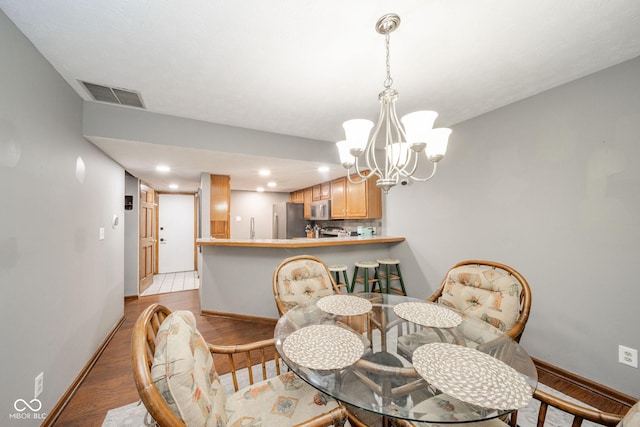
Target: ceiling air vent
{"x":114,"y":95}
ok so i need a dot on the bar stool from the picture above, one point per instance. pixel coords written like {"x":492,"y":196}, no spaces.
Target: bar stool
{"x":337,"y":269}
{"x":365,"y":278}
{"x":388,"y":275}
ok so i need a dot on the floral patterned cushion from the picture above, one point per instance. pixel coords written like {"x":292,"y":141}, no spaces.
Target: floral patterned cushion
{"x":632,"y":418}
{"x":302,"y":280}
{"x":483,"y":292}
{"x":184,"y":374}
{"x":280,"y":401}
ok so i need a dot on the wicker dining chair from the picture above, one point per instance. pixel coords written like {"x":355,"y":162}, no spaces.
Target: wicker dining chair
{"x":498,"y":283}
{"x":300,"y":278}
{"x":176,"y":379}
{"x":577,"y":413}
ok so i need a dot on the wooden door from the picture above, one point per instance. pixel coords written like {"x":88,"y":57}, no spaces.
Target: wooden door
{"x":147,"y":261}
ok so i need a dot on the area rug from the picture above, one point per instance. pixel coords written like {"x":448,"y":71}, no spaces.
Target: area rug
{"x":133,"y":414}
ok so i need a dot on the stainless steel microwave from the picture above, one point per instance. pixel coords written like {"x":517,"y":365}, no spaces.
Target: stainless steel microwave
{"x":321,"y":210}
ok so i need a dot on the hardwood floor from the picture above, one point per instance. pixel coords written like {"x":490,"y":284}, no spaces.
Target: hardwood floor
{"x":110,"y":383}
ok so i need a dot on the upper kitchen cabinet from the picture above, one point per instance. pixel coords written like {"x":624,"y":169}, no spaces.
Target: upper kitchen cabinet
{"x":307,"y":198}
{"x":220,"y":206}
{"x":339,"y":198}
{"x":297,"y":196}
{"x":321,"y":191}
{"x":325,"y":191}
{"x":362,"y":201}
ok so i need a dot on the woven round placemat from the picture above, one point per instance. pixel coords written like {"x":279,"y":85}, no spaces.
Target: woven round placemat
{"x":472,"y":376}
{"x":427,"y":314}
{"x":323,"y":347}
{"x":344,"y":305}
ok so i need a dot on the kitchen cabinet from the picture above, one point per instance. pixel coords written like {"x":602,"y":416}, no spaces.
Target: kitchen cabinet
{"x":297,"y":196}
{"x":316,"y":192}
{"x":363,"y":201}
{"x":325,"y":191}
{"x":307,"y":198}
{"x":339,"y":198}
{"x":220,"y":206}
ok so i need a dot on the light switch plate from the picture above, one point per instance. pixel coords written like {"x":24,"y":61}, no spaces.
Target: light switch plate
{"x":101,"y":233}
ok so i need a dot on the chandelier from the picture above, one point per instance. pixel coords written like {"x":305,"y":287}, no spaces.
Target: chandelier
{"x":404,"y":144}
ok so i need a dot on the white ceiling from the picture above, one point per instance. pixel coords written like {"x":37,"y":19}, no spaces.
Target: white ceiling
{"x":302,"y":68}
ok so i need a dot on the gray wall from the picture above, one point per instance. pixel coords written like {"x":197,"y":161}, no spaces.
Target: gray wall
{"x":247,"y":204}
{"x":61,"y":287}
{"x":549,"y":185}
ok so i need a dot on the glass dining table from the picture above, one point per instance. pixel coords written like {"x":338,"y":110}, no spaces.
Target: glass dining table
{"x":396,"y":357}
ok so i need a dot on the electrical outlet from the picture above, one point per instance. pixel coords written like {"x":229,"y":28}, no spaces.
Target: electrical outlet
{"x":38,"y":385}
{"x":628,"y":356}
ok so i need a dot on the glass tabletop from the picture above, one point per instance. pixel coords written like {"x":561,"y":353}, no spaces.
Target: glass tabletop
{"x":406,"y":358}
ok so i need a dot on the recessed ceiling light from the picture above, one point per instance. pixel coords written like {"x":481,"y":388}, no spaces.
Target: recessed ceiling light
{"x":163,"y":168}
{"x":271,"y":184}
{"x":264,"y":172}
{"x":323,"y":169}
{"x":260,"y":189}
{"x":173,"y":186}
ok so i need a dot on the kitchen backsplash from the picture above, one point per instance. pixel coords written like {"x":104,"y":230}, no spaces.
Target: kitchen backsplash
{"x":352,"y":224}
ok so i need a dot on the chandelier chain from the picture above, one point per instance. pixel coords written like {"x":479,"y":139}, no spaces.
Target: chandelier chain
{"x":389,"y":81}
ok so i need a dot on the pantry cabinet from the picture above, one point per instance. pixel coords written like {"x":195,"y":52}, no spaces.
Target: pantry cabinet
{"x":220,"y":203}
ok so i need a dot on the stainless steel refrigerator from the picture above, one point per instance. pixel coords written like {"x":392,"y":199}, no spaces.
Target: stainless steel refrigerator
{"x":288,"y":221}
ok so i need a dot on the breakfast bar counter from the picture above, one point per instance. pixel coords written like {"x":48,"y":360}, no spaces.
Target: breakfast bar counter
{"x":300,"y":242}
{"x":236,"y":275}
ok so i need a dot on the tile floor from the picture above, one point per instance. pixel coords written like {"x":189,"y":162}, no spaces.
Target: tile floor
{"x":173,"y":282}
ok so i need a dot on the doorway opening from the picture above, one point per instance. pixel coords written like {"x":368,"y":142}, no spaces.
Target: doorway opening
{"x":173,"y":282}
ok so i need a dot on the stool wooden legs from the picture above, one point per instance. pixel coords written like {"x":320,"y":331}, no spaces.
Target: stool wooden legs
{"x":388,"y":275}
{"x":365,"y":280}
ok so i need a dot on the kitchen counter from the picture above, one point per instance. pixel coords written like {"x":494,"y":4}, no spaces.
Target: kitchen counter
{"x":301,"y":242}
{"x":236,"y":275}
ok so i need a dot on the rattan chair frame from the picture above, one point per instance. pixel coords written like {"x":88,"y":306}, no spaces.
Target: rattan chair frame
{"x":143,"y":349}
{"x":579,"y":412}
{"x":525,"y":295}
{"x":276,"y":292}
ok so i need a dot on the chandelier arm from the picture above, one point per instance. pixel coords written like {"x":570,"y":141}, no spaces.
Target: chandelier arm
{"x":362,"y":176}
{"x":370,"y":151}
{"x":433,"y":172}
{"x":389,"y":167}
{"x":401,"y":137}
{"x":392,"y":168}
{"x":413,"y":160}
